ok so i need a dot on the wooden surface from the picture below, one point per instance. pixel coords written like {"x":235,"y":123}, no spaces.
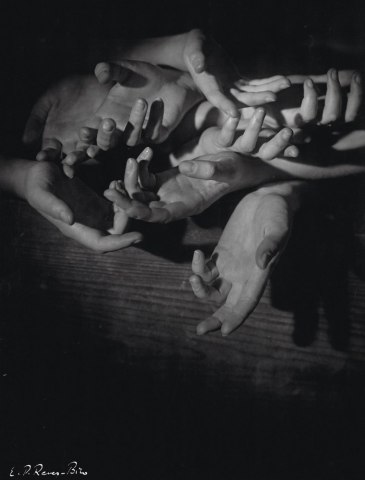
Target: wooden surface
{"x":101,"y":364}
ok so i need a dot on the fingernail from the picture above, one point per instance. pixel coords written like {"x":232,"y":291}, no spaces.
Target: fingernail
{"x":334,"y":75}
{"x":285,"y":84}
{"x":129,"y":165}
{"x":187,"y":167}
{"x":260,"y":112}
{"x":146,"y":153}
{"x":137,"y":240}
{"x":108,"y":126}
{"x":287,"y":134}
{"x":197,"y":62}
{"x":293,"y":152}
{"x":357,"y":78}
{"x":196,"y":256}
{"x":309,"y":83}
{"x":269,"y":99}
{"x":141,"y":104}
{"x":66,"y":217}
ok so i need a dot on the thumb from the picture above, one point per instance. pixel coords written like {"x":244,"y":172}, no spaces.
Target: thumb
{"x":48,"y":204}
{"x":270,"y":247}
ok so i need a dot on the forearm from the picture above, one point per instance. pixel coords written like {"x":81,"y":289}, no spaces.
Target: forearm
{"x":13,"y":175}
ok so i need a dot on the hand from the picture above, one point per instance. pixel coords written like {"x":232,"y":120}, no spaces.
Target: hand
{"x":185,"y":191}
{"x":130,"y":80}
{"x":84,"y":101}
{"x":261,"y":143}
{"x":77,"y":211}
{"x":218,"y":79}
{"x":334,"y":106}
{"x":241,"y":264}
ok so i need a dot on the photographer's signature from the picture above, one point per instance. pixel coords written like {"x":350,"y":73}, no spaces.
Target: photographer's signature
{"x":39,"y":470}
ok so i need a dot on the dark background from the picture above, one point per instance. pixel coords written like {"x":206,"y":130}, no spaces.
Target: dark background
{"x":122,"y":412}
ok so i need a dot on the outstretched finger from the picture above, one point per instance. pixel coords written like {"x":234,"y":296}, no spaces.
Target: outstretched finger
{"x":276,"y":145}
{"x":247,"y":142}
{"x":133,"y":131}
{"x":275,"y":84}
{"x":131,"y":177}
{"x":107,"y":136}
{"x":333,"y":102}
{"x":354,"y":98}
{"x":253,"y":99}
{"x":146,"y":178}
{"x":154,"y":123}
{"x":309,"y":105}
{"x":226,"y":135}
{"x":206,"y":270}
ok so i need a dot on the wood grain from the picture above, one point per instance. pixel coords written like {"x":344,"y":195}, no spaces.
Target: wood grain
{"x":102,"y":363}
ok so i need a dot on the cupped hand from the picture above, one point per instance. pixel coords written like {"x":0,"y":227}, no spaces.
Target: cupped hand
{"x":76,"y":210}
{"x":184,"y":191}
{"x":237,"y":272}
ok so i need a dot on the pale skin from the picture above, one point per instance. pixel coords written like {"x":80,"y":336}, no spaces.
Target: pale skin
{"x":217,"y":174}
{"x":77,"y":211}
{"x":212,"y":72}
{"x":178,"y":195}
{"x":237,"y":272}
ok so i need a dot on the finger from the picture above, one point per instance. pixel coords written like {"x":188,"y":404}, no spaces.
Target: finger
{"x":309,"y":105}
{"x":231,"y":319}
{"x":99,"y":241}
{"x":271,"y":85}
{"x":87,"y":135}
{"x":118,"y":198}
{"x":226,"y":134}
{"x":276,"y":145}
{"x":247,"y":142}
{"x":208,"y":325}
{"x":333,"y":101}
{"x":292,"y":151}
{"x":131,"y":177}
{"x":75,"y":158}
{"x":51,"y":151}
{"x":200,"y":289}
{"x":133,"y":130}
{"x":253,"y":99}
{"x":206,"y":270}
{"x":107,"y":134}
{"x":69,"y":171}
{"x":262,"y":81}
{"x":202,"y":169}
{"x":216,"y":97}
{"x":146,"y":179}
{"x":154,"y":122}
{"x":354,"y":98}
{"x":193,"y":51}
{"x":54,"y":207}
{"x":120,"y":221}
{"x":111,"y":72}
{"x":93,"y":151}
